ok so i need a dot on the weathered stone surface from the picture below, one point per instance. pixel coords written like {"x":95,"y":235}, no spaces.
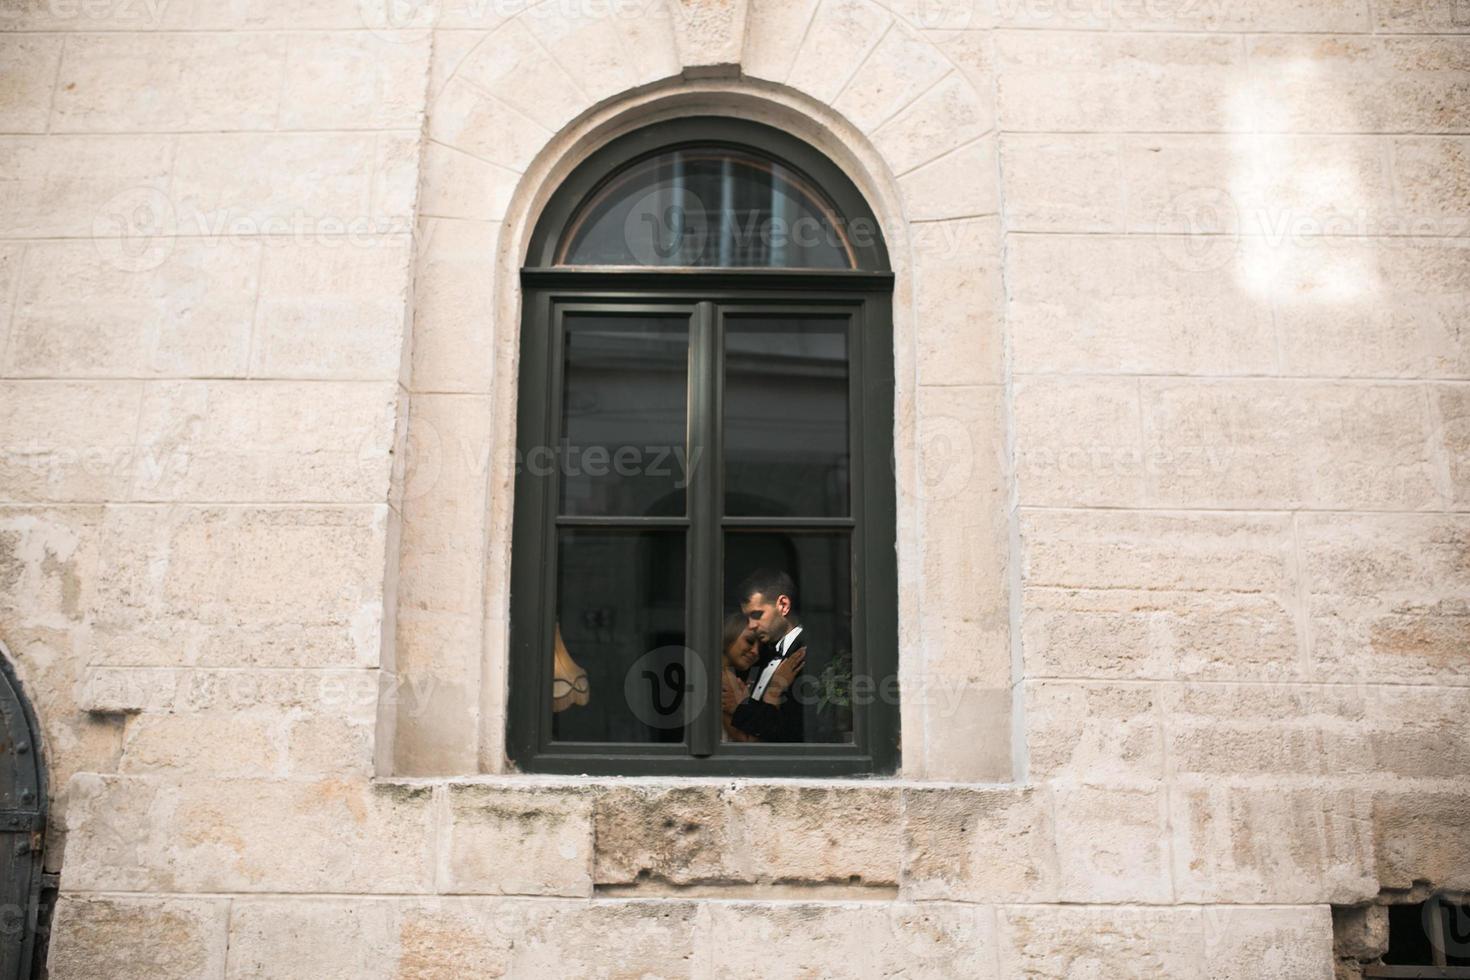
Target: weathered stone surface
{"x":1108,"y":733}
{"x":1078,"y":441}
{"x":481,"y":123}
{"x":1388,"y":596}
{"x":1360,"y":933}
{"x":1420,"y":837}
{"x":146,"y":833}
{"x":68,"y":441}
{"x":135,"y":307}
{"x":136,"y":937}
{"x":1238,"y":843}
{"x":245,"y":586}
{"x":960,"y":184}
{"x":512,"y":64}
{"x":681,"y":836}
{"x":25,"y":94}
{"x":1072,"y":941}
{"x":454,"y":327}
{"x":517,"y":842}
{"x":1096,"y":81}
{"x":900,"y":68}
{"x":949,"y":115}
{"x":979,"y":845}
{"x":710,"y":34}
{"x":353,"y":81}
{"x":274,"y":938}
{"x":73,"y":186}
{"x":1112,"y":844}
{"x":958,"y":302}
{"x":1246,"y":943}
{"x":1130,"y":307}
{"x":840,"y":35}
{"x":792,"y":940}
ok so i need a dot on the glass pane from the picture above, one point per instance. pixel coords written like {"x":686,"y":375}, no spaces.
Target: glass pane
{"x":786,"y":424}
{"x":710,"y":206}
{"x":624,"y":410}
{"x":618,"y":654}
{"x":813,"y":572}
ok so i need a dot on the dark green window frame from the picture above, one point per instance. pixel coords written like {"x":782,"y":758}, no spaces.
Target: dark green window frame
{"x":706,"y":295}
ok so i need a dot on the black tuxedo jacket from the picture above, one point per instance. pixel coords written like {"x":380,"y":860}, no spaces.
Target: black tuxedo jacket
{"x":770,"y":722}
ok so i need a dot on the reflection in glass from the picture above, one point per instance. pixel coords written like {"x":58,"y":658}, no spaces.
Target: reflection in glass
{"x":709,"y":206}
{"x":818,"y":706}
{"x":624,"y":414}
{"x":620,"y":616}
{"x":786,"y":416}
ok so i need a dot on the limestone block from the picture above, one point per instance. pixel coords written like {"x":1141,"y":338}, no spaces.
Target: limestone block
{"x":958,"y":302}
{"x":1102,"y":82}
{"x":1251,"y":943}
{"x":1359,"y":85}
{"x":979,"y":845}
{"x":585,"y":41}
{"x":444,"y":500}
{"x":792,"y":940}
{"x":68,"y":441}
{"x":960,"y":184}
{"x":1387,"y":596}
{"x":709,"y":34}
{"x":971,"y":51}
{"x":678,"y":836}
{"x":511,"y":63}
{"x":1078,"y":941}
{"x":648,"y":35}
{"x":11,"y":256}
{"x":138,"y":938}
{"x":1185,"y":552}
{"x":1373,"y":308}
{"x":902,"y":67}
{"x":1416,"y":17}
{"x":1324,"y":16}
{"x":774,"y":30}
{"x":30,"y":71}
{"x":934,"y":16}
{"x":1249,"y":844}
{"x":838,"y":39}
{"x":1078,"y":441}
{"x":1451,"y":426}
{"x":849,"y":836}
{"x":457,"y":185}
{"x":967,"y":724}
{"x":331,"y":939}
{"x":81,"y":186}
{"x":1112,"y":844}
{"x":620,"y":939}
{"x":436,"y":692}
{"x":266,"y":441}
{"x":302,"y":186}
{"x":187,"y":82}
{"x":1285,"y":444}
{"x":1260,"y":729}
{"x":64,"y":16}
{"x":139,"y":833}
{"x":1109,"y":734}
{"x":240,"y":586}
{"x":332,"y":309}
{"x":947,"y":116}
{"x":48,"y":565}
{"x":395,"y":184}
{"x":1071,"y":183}
{"x":353,"y":81}
{"x":1420,"y":837}
{"x":1360,"y":933}
{"x":1130,"y":306}
{"x":480,"y":123}
{"x":1150,"y":634}
{"x":1434,"y":189}
{"x":454,"y":306}
{"x":135,"y":307}
{"x":1272,"y":186}
{"x":512,"y":841}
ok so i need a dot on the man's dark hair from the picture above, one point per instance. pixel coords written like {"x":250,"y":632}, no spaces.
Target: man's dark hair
{"x":770,"y":584}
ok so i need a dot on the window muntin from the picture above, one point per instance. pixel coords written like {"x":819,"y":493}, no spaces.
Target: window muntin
{"x":783,"y":379}
{"x":708,"y":206}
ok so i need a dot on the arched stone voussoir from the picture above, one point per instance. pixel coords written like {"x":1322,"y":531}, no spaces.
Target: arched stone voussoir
{"x":512,"y":63}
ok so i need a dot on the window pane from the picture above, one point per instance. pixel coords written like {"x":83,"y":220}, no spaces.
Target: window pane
{"x":818,"y":706}
{"x":710,"y":206}
{"x":620,"y":619}
{"x":786,"y":416}
{"x":624,"y":411}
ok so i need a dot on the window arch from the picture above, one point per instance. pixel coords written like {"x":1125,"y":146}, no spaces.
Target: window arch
{"x":704,"y":482}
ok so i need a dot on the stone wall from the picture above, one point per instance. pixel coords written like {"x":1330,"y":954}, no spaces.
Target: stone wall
{"x":1184,"y":421}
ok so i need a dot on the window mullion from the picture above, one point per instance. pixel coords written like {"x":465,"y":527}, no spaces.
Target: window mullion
{"x":701,"y":720}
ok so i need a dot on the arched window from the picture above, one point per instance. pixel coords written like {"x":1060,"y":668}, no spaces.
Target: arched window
{"x":703,"y":569}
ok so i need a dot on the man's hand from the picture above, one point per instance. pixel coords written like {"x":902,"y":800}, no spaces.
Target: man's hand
{"x":732,"y":692}
{"x":783,"y":677}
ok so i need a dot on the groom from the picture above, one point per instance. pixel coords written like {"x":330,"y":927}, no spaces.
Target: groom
{"x":769,"y":712}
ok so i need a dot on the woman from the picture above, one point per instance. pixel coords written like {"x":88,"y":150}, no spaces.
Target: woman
{"x":741,"y":650}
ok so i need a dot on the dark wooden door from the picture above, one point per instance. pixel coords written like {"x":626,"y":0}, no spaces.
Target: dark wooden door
{"x":22,"y":826}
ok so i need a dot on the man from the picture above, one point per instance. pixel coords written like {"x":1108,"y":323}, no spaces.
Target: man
{"x":769,"y":713}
